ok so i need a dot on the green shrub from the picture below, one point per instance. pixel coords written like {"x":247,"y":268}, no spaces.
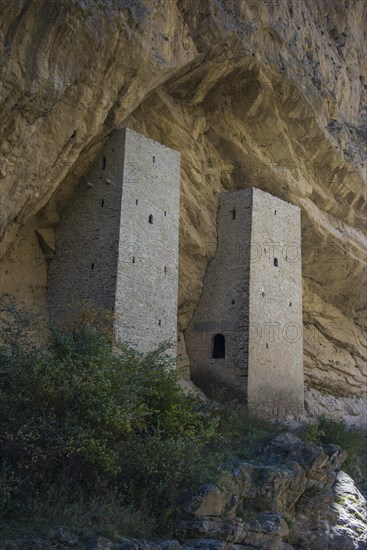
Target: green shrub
{"x":97,"y":419}
{"x":242,"y":434}
{"x":96,"y":435}
{"x":324,"y":430}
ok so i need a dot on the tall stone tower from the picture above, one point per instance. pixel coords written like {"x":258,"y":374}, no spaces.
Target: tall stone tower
{"x":117,"y":241}
{"x":245,"y":338}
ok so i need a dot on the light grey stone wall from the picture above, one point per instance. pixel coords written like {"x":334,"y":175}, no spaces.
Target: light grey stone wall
{"x":275,"y":362}
{"x":86,"y":239}
{"x":223,"y":305}
{"x":255,"y":304}
{"x":147,"y":279}
{"x":108,"y":253}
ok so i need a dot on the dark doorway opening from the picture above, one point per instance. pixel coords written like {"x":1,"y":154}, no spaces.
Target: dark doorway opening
{"x":219,"y":346}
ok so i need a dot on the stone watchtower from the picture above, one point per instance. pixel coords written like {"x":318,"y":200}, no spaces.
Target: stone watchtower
{"x":245,"y":338}
{"x":117,"y":241}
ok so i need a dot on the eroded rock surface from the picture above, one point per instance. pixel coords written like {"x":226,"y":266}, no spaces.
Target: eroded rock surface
{"x":351,"y":512}
{"x":293,"y":496}
{"x":265,"y":94}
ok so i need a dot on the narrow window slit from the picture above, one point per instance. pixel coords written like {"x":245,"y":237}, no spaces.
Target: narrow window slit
{"x":133,"y":259}
{"x":153,"y":160}
{"x":276,"y":262}
{"x":233,"y":214}
{"x":136,"y":202}
{"x":150,"y":218}
{"x":104,"y":162}
{"x":92,"y":265}
{"x":102,"y":203}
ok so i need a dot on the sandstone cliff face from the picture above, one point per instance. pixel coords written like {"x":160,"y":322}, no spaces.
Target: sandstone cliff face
{"x":264,"y":94}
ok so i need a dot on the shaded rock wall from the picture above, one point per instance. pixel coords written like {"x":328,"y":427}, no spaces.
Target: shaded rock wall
{"x":265,"y":94}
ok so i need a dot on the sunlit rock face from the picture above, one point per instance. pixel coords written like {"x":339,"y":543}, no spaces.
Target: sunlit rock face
{"x":292,"y":495}
{"x":264,"y":94}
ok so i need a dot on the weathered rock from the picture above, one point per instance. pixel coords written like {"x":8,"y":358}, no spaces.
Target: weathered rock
{"x":207,"y":502}
{"x":349,"y":530}
{"x":100,"y":543}
{"x":228,"y":529}
{"x":291,"y":495}
{"x":139,"y":544}
{"x":265,"y":94}
{"x":338,"y":520}
{"x":351,"y":410}
{"x":206,"y":544}
{"x":65,"y":537}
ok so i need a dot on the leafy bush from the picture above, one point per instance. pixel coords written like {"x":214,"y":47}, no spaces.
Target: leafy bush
{"x":242,"y":434}
{"x":96,"y":434}
{"x":97,"y":419}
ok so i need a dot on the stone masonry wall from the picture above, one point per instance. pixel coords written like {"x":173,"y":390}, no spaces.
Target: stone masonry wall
{"x":108,"y":252}
{"x":275,"y":382}
{"x":223,"y":305}
{"x":85,"y":264}
{"x":147,"y":279}
{"x":252,"y":295}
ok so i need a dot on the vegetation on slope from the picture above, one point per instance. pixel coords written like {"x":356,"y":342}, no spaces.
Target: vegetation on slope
{"x":102,"y":439}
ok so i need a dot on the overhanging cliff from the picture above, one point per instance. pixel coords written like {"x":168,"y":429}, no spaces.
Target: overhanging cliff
{"x":264,"y":94}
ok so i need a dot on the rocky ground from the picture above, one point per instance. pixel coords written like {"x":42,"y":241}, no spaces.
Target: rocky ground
{"x":292,"y":496}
